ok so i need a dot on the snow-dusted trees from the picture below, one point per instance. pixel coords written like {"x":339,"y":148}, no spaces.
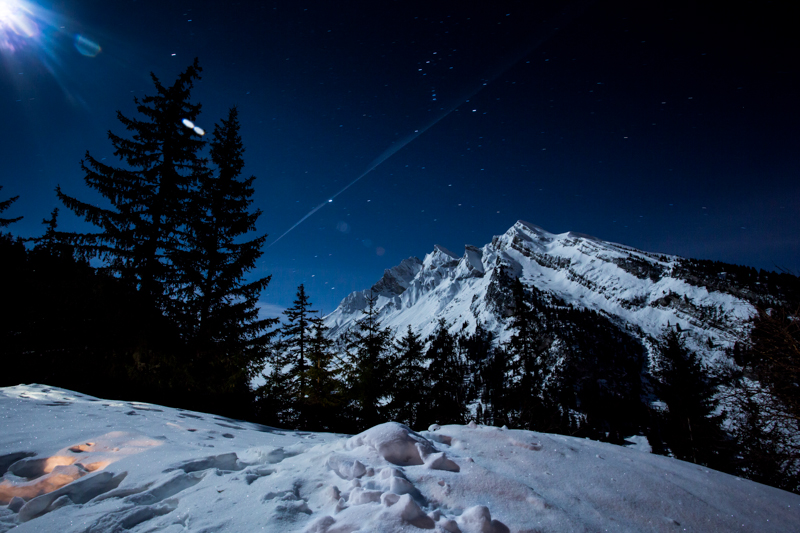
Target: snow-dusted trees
{"x":691,"y":429}
{"x":494,"y":387}
{"x":774,"y":357}
{"x":527,"y":356}
{"x":529,"y":396}
{"x":765,"y":399}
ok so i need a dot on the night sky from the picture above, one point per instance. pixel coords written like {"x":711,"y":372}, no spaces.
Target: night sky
{"x":662,"y":125}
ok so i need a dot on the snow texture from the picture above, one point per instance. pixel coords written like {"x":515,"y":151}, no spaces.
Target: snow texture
{"x":74,"y":463}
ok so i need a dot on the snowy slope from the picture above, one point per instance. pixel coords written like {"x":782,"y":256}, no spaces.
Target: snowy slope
{"x":640,"y":291}
{"x":73,"y":463}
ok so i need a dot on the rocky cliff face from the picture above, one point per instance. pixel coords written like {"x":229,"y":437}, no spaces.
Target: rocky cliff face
{"x":642,"y":293}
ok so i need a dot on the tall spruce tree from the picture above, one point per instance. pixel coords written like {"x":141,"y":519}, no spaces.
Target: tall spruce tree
{"x":294,"y":346}
{"x":218,"y":306}
{"x":149,"y":195}
{"x":446,"y":393}
{"x":408,"y":380}
{"x":368,"y":345}
{"x":692,"y":430}
{"x":324,"y":388}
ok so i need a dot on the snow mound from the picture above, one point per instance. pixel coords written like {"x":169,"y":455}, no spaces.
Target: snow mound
{"x":165,"y":469}
{"x":394,"y":442}
{"x":399,"y":445}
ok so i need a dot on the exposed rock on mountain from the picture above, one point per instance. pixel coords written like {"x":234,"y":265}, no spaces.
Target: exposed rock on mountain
{"x":641,"y":293}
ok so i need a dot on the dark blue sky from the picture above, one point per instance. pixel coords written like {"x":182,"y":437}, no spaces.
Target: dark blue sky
{"x":666,"y":126}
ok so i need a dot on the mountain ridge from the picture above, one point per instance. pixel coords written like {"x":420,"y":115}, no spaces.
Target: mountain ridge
{"x":640,"y":291}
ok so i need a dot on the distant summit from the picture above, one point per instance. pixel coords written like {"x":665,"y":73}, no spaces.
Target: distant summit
{"x":641,"y":293}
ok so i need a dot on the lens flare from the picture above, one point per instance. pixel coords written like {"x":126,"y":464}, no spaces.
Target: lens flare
{"x":17,"y":23}
{"x":86,"y":46}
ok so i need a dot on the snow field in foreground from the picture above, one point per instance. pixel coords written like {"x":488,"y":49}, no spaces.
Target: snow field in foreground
{"x":73,"y":463}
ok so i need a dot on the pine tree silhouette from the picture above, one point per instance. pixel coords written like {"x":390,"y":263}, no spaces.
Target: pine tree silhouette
{"x":691,"y":429}
{"x":149,"y":195}
{"x":446,"y":393}
{"x":368,"y":346}
{"x":408,"y":385}
{"x":295,"y":347}
{"x":324,"y":389}
{"x":216,"y":308}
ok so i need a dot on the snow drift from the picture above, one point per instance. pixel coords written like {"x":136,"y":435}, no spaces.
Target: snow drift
{"x":74,"y":463}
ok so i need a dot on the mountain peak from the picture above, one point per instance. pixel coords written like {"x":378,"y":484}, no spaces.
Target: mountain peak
{"x":440,"y":256}
{"x":443,"y":250}
{"x":396,"y":280}
{"x":639,"y":291}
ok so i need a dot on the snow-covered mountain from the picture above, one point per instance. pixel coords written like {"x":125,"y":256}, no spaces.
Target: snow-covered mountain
{"x":642,"y":293}
{"x":71,"y":463}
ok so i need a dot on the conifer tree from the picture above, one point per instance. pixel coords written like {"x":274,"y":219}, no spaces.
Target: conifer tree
{"x":51,"y":241}
{"x":446,"y":394}
{"x":691,"y":430}
{"x":477,"y":346}
{"x":368,"y":345}
{"x":50,"y":238}
{"x":476,"y":350}
{"x":148,"y":195}
{"x":5,"y":204}
{"x":324,"y":389}
{"x":527,"y":362}
{"x":294,"y":347}
{"x":496,"y":387}
{"x":408,"y":383}
{"x":774,"y":358}
{"x":766,"y":408}
{"x":302,"y":388}
{"x":218,"y":307}
{"x":275,"y":403}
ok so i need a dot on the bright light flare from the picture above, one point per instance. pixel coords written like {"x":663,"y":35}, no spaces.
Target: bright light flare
{"x":17,"y":22}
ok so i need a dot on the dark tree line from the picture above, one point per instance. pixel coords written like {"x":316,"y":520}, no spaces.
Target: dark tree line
{"x":166,"y":314}
{"x":365,"y":379}
{"x":560,"y":370}
{"x":374,"y":374}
